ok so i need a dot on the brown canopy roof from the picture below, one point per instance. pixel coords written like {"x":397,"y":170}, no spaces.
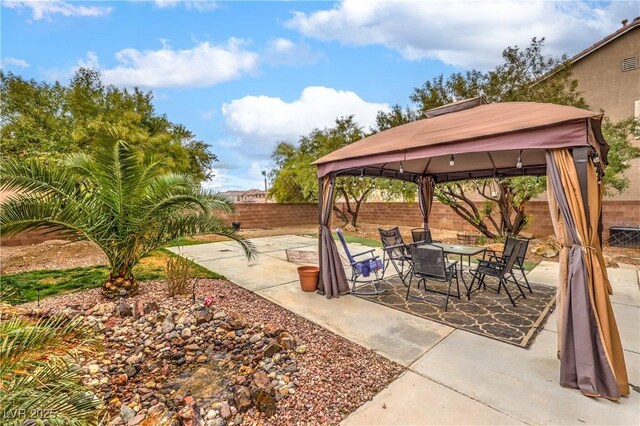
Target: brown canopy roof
{"x":485,"y":141}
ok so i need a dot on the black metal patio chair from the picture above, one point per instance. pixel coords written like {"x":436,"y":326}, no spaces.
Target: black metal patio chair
{"x":429,"y":264}
{"x":363,"y":268}
{"x":395,"y":252}
{"x":500,"y":256}
{"x":500,"y":270}
{"x":421,"y":235}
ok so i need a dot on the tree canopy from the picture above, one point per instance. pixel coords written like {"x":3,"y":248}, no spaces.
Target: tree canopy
{"x":48,"y":120}
{"x":525,"y":75}
{"x":295,"y":179}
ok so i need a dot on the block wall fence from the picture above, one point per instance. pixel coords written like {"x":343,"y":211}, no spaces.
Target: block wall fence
{"x":273,"y":215}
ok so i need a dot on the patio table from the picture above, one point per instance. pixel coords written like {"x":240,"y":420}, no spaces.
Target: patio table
{"x":462,"y":251}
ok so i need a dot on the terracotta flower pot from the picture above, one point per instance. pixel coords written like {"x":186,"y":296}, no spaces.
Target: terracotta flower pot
{"x":308,"y":277}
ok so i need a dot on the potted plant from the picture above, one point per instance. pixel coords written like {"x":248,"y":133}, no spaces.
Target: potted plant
{"x":308,"y":277}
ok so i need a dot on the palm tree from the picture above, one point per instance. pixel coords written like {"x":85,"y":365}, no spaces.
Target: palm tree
{"x":40,"y":382}
{"x":124,"y":202}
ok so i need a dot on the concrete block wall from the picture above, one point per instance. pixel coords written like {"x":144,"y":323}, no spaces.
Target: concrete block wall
{"x":273,"y":215}
{"x":31,"y":237}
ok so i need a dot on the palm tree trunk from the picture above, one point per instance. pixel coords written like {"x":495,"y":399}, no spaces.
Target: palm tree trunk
{"x":120,"y":284}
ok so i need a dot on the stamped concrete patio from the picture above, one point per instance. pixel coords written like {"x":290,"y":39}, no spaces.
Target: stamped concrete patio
{"x":452,"y":377}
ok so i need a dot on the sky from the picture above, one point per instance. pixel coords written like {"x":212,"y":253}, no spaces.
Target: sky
{"x":244,"y":76}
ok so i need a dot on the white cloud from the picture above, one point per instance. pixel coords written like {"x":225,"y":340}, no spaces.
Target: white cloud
{"x":259,"y":122}
{"x":282,"y":51}
{"x":464,"y":33}
{"x":90,"y":60}
{"x":219,"y":180}
{"x":203,"y":65}
{"x":15,"y":62}
{"x":45,"y":9}
{"x":199,"y":5}
{"x":222,"y":181}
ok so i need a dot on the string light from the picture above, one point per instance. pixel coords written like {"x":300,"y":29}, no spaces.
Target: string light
{"x":361,"y":174}
{"x":452,"y":161}
{"x":401,"y":168}
{"x":519,"y":161}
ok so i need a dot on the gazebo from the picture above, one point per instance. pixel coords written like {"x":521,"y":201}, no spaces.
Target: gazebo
{"x":472,"y":140}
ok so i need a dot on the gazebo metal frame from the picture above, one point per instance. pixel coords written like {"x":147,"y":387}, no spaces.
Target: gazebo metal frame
{"x":473,"y":140}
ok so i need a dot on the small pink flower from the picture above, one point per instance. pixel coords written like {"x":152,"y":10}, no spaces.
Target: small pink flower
{"x":208,"y":301}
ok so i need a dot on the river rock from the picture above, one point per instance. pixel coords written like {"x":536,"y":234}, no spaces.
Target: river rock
{"x":151,"y":307}
{"x":130,"y":370}
{"x":272,"y":330}
{"x":256,"y":338}
{"x":261,"y":381}
{"x":104,"y":308}
{"x":243,"y":398}
{"x":127,"y":413}
{"x":138,"y":309}
{"x":264,"y":401}
{"x":168,"y":324}
{"x":225,"y":411}
{"x":286,"y":340}
{"x":202,"y":314}
{"x":123,"y":309}
{"x":234,"y":321}
{"x":272,"y":349}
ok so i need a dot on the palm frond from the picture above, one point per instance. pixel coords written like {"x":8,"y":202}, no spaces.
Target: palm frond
{"x":198,"y":223}
{"x":36,"y":374}
{"x":118,"y":198}
{"x":28,"y":212}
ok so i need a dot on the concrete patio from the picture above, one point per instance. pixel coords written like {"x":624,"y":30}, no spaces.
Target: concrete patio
{"x":452,"y":377}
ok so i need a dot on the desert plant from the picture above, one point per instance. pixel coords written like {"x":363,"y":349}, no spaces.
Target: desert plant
{"x":39,"y":380}
{"x":179,"y":276}
{"x":119,"y":199}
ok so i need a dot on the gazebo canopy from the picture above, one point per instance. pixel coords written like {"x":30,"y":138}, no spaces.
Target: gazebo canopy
{"x":470,"y":140}
{"x":504,"y":132}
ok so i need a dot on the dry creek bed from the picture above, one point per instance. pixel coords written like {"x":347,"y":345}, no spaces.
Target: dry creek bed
{"x":243,"y":360}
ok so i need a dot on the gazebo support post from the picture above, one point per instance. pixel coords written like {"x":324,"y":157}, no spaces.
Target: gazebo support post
{"x":320,"y":207}
{"x":425,"y":198}
{"x":332,"y":280}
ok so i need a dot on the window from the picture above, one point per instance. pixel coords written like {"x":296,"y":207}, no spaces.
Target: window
{"x":630,"y":63}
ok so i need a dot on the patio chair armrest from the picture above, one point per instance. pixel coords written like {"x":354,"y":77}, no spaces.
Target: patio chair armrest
{"x":490,"y":264}
{"x":364,"y":252}
{"x":393,"y":247}
{"x":498,"y":259}
{"x":452,"y":264}
{"x":491,"y":253}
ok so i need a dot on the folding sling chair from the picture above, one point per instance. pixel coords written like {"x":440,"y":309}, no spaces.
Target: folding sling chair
{"x":363,"y":268}
{"x":502,"y":271}
{"x":395,"y":252}
{"x":497,"y":256}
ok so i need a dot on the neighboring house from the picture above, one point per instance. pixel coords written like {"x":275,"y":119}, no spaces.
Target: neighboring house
{"x":608,"y":74}
{"x":250,"y":196}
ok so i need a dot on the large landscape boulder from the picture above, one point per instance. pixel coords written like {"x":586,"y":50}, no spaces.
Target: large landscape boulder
{"x":548,"y":248}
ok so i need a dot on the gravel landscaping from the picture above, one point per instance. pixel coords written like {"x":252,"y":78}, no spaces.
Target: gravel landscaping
{"x":240,"y":360}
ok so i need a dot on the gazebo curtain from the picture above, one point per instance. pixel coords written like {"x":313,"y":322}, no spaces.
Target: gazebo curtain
{"x":425,"y":198}
{"x":332,"y":280}
{"x":589,"y":345}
